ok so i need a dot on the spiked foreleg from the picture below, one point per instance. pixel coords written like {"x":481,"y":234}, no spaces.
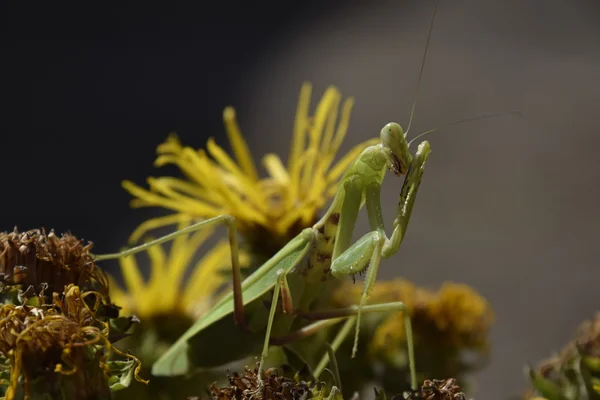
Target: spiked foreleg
{"x":408,"y":196}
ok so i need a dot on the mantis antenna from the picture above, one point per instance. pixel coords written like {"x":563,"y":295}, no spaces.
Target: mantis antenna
{"x":414,"y":104}
{"x":501,"y":114}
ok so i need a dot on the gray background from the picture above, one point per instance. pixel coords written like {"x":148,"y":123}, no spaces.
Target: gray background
{"x":509,"y":205}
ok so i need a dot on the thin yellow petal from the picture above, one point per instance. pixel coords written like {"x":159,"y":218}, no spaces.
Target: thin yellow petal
{"x":240,"y":148}
{"x":190,"y":189}
{"x":307,"y":171}
{"x":133,"y":279}
{"x":300,"y":128}
{"x":212,"y":174}
{"x":249,"y":187}
{"x":181,"y":255}
{"x":330,"y":99}
{"x":343,"y":125}
{"x":170,"y":145}
{"x":329,"y":128}
{"x":275,"y":168}
{"x":282,"y":225}
{"x":201,"y":208}
{"x":147,"y":198}
{"x":339,"y":135}
{"x":155,"y":223}
{"x":198,"y":284}
{"x":332,"y":191}
{"x":117,"y":294}
{"x":158,"y":272}
{"x":189,"y":169}
{"x":232,"y":201}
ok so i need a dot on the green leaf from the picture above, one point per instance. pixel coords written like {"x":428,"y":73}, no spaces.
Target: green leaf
{"x":589,"y":379}
{"x":121,"y":374}
{"x":545,"y":387}
{"x":120,"y":326}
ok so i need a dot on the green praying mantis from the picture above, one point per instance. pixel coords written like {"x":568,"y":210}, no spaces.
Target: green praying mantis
{"x":299,"y":273}
{"x":286,"y":299}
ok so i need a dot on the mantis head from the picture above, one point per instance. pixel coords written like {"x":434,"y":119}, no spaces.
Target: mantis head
{"x":395,"y":148}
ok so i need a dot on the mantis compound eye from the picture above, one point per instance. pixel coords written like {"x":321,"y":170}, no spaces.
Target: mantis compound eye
{"x":396,"y":147}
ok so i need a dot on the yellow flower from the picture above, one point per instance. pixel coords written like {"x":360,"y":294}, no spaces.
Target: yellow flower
{"x":280,"y":204}
{"x":456,"y":316}
{"x":461,"y":314}
{"x":165,"y":292}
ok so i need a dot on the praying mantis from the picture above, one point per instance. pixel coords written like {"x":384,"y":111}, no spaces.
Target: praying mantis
{"x":300,"y":272}
{"x":285,"y":299}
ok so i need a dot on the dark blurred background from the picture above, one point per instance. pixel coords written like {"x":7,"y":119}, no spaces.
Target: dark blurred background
{"x":509,"y":206}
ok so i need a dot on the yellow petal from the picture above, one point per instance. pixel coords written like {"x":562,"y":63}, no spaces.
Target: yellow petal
{"x":200,"y":283}
{"x":275,"y":168}
{"x":118,"y":296}
{"x":190,"y":189}
{"x":329,"y":127}
{"x":191,"y":170}
{"x":158,"y":272}
{"x":155,"y":223}
{"x":170,"y":145}
{"x":180,"y":258}
{"x":300,"y":128}
{"x":240,"y":148}
{"x":133,"y":279}
{"x":147,"y":198}
{"x":329,"y":100}
{"x":330,"y":152}
{"x":249,"y":187}
{"x":162,"y":187}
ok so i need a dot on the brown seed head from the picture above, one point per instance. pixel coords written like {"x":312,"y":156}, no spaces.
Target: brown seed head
{"x":246,"y":387}
{"x":48,"y":263}
{"x":438,"y":390}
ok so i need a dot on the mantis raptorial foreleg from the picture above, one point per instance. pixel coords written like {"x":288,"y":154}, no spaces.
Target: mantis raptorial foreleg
{"x":368,"y":250}
{"x":226,"y":220}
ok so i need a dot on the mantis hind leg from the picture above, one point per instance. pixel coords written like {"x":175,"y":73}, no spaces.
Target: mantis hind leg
{"x":281,"y":286}
{"x":226,"y":220}
{"x":326,"y":318}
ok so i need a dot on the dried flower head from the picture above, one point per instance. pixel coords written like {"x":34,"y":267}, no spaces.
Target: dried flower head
{"x":275,"y":386}
{"x":48,"y":263}
{"x":438,"y":389}
{"x":246,"y":386}
{"x":276,"y":207}
{"x":57,"y":340}
{"x":166,"y":292}
{"x":575,"y":369}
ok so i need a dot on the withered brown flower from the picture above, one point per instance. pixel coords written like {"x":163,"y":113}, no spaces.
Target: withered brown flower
{"x":48,"y":263}
{"x":438,"y":389}
{"x":246,"y":386}
{"x":58,"y":340}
